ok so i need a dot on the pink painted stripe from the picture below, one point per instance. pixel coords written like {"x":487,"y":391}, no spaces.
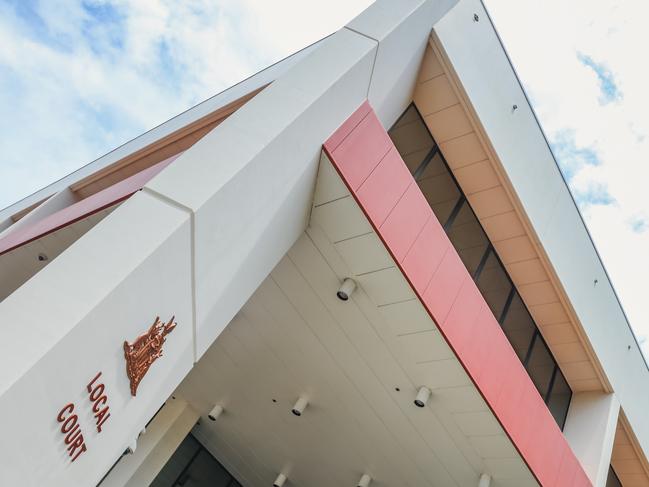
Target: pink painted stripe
{"x":405,"y":222}
{"x":81,"y":209}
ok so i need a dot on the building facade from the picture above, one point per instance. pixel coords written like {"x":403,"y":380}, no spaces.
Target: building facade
{"x":361,"y":266}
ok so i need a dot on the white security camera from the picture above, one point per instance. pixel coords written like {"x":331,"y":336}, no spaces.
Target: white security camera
{"x":215,"y":412}
{"x":300,"y":406}
{"x":364,"y":481}
{"x":422,"y":397}
{"x":131,"y":448}
{"x":280,"y":480}
{"x":346,"y":289}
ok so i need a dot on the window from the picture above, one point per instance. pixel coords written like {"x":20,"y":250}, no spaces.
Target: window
{"x":612,"y":480}
{"x":191,"y":465}
{"x":428,"y":166}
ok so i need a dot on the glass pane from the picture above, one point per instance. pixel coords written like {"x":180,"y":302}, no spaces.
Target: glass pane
{"x":411,"y":138}
{"x":540,"y":366}
{"x":612,"y":480}
{"x":205,"y":471}
{"x":518,"y":327}
{"x":192,"y":465}
{"x":434,"y":167}
{"x":177,"y":463}
{"x":559,"y":399}
{"x":439,"y":189}
{"x":494,"y":284}
{"x":468,"y":238}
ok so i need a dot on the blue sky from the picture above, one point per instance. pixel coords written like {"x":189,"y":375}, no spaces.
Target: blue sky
{"x":80,"y":77}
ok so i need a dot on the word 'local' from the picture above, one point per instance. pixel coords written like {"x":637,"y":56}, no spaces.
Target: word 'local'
{"x":98,"y":399}
{"x":69,"y":420}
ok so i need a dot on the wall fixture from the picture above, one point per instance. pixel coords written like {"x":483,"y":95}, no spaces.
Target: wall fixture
{"x":300,"y":406}
{"x":130,"y":449}
{"x":364,"y":481}
{"x":280,"y":480}
{"x":346,"y":289}
{"x":215,"y":412}
{"x":422,"y":397}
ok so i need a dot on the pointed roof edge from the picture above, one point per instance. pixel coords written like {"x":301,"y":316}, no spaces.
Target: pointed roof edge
{"x":203,"y":109}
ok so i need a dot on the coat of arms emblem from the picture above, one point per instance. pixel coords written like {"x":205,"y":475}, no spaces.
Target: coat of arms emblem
{"x":145,"y":350}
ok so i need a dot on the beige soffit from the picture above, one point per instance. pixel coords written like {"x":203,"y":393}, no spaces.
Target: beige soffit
{"x":447,"y":112}
{"x":627,"y":459}
{"x":161,"y":149}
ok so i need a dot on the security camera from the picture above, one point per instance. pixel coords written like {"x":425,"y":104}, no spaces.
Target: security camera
{"x":130,"y":449}
{"x":364,"y":481}
{"x":300,"y":406}
{"x":422,"y":397}
{"x":280,"y":480}
{"x":346,"y":289}
{"x":215,"y":412}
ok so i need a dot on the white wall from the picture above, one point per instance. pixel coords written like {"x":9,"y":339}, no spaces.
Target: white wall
{"x":69,"y":322}
{"x":590,"y":430}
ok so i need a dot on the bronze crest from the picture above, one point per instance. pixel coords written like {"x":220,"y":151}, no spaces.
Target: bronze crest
{"x":145,"y":350}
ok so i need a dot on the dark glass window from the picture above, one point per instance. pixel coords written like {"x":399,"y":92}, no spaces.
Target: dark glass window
{"x":192,"y":465}
{"x":540,"y":364}
{"x":428,"y":166}
{"x":612,"y":480}
{"x":518,"y":326}
{"x":493,"y":282}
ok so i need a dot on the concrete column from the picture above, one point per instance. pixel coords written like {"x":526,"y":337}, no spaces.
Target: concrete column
{"x":590,"y":431}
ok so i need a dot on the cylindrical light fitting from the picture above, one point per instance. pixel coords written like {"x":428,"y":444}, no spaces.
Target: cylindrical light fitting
{"x":364,"y":481}
{"x":280,"y":480}
{"x":422,"y":397}
{"x":346,"y":289}
{"x":485,"y":480}
{"x":130,"y":449}
{"x":300,"y":406}
{"x":215,"y":412}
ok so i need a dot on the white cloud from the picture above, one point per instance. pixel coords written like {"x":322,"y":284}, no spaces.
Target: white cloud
{"x":568,"y":54}
{"x":80,"y":77}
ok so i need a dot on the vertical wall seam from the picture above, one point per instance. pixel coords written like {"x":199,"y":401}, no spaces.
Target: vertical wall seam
{"x":192,"y":243}
{"x":376,"y":54}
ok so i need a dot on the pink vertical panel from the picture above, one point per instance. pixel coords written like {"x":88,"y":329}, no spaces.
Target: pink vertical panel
{"x":376,"y":175}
